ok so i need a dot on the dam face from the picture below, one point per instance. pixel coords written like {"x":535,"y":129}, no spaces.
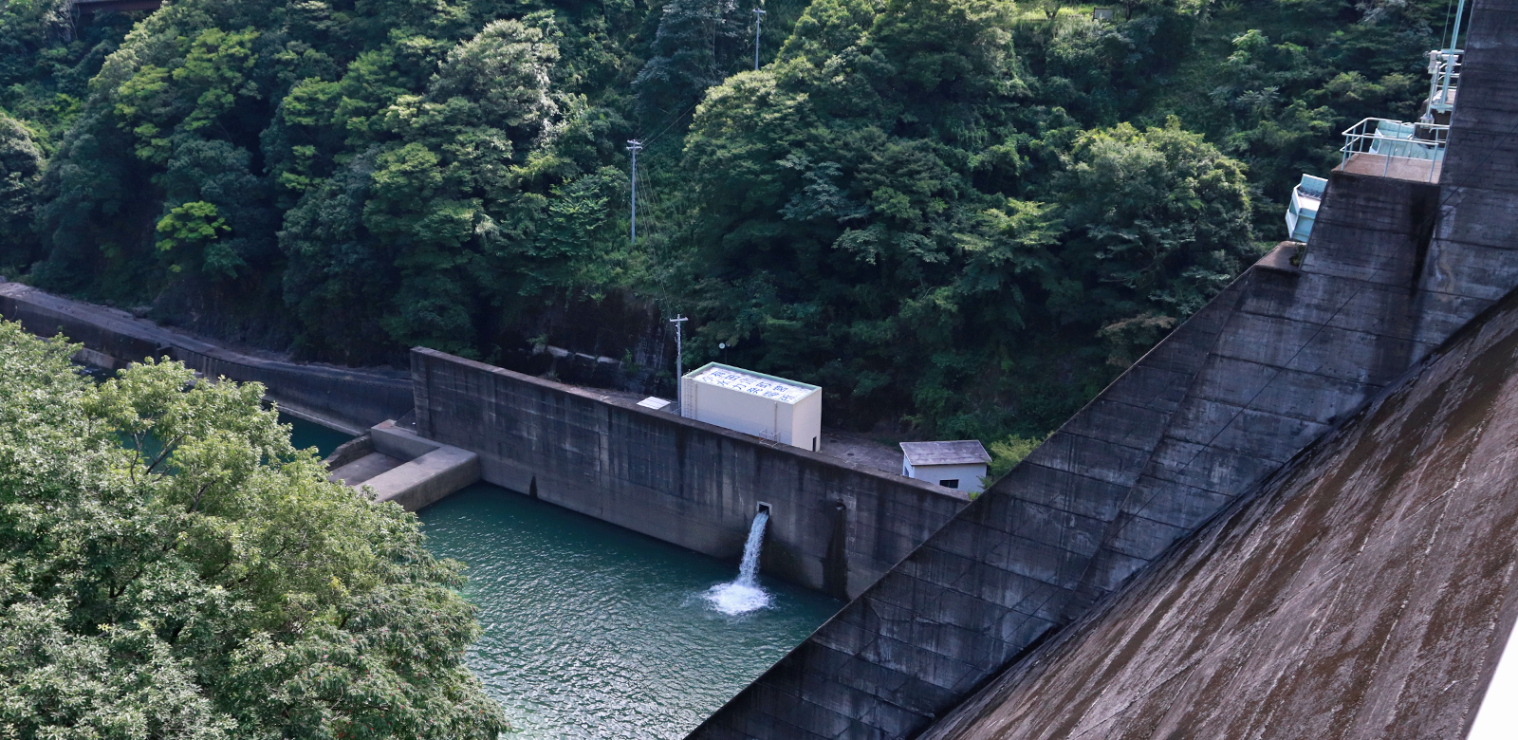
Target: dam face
{"x":1286,"y":353}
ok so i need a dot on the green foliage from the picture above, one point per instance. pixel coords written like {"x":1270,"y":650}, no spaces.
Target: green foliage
{"x":1164,"y":223}
{"x":1007,"y":453}
{"x":959,"y":220}
{"x":20,"y":170}
{"x":875,"y":224}
{"x":205,"y":580}
{"x":469,"y":201}
{"x":195,"y":226}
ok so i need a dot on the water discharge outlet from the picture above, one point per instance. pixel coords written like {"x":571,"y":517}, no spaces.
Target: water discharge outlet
{"x":744,"y":594}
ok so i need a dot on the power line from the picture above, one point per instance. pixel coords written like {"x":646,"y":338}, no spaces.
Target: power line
{"x":672,"y":122}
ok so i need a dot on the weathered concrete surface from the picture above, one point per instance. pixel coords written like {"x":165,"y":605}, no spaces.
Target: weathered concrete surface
{"x":364,"y":468}
{"x":1264,"y":370}
{"x":1474,"y":258}
{"x":427,"y":479}
{"x":1359,"y":597}
{"x":834,"y":526}
{"x":350,"y":451}
{"x":397,"y":465}
{"x":399,"y":443}
{"x":353,"y":398}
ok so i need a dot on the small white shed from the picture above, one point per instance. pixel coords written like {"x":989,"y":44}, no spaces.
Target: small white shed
{"x":960,"y":464}
{"x":776,"y":409}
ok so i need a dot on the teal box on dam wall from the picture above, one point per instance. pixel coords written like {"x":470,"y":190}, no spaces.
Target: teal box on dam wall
{"x":835,"y":526}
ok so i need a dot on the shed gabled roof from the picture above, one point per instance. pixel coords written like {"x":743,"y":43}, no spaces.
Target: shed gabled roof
{"x":959,"y":452}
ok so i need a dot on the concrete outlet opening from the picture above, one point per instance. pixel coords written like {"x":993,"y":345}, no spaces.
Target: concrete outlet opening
{"x":763,"y":508}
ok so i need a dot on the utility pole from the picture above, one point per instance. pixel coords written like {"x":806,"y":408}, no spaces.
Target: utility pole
{"x":758,"y":16}
{"x":679,"y":362}
{"x":634,"y":146}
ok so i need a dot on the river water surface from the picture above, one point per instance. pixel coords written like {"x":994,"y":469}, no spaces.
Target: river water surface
{"x":593,"y":631}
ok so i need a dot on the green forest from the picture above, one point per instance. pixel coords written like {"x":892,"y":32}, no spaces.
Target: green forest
{"x":960,"y":217}
{"x":172,"y":568}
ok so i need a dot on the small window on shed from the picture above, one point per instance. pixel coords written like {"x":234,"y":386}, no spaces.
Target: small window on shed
{"x":950,"y":483}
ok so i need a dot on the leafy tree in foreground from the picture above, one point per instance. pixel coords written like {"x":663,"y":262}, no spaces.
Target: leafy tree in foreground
{"x":204,"y":580}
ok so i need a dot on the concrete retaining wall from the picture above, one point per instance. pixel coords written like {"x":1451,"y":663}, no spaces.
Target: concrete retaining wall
{"x":833,"y":526}
{"x":352,"y":398}
{"x":1230,"y":396}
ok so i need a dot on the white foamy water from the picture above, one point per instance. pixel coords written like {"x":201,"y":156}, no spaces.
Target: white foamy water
{"x":744,"y":595}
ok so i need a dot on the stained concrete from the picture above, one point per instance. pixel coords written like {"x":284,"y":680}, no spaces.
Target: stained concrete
{"x":357,"y":472}
{"x":394,"y":464}
{"x":1262,"y":372}
{"x":834,"y":526}
{"x":349,"y":452}
{"x":425,"y":480}
{"x":1365,"y":593}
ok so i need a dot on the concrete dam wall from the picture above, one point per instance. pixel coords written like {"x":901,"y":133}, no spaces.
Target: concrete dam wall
{"x":833,"y":526}
{"x":1365,"y":594}
{"x":1274,"y":362}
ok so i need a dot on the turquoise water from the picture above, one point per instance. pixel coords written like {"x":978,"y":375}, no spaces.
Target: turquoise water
{"x":593,"y":631}
{"x":305,"y":434}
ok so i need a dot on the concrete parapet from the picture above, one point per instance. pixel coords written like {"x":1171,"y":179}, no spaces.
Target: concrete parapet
{"x":834,"y":526}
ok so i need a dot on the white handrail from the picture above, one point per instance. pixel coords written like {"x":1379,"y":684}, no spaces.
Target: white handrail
{"x":1409,"y":143}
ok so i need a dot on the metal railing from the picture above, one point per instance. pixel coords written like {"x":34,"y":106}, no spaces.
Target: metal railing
{"x":1444,"y":74}
{"x":1406,"y":151}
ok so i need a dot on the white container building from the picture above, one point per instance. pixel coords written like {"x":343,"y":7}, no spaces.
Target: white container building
{"x":960,"y":464}
{"x":776,"y":409}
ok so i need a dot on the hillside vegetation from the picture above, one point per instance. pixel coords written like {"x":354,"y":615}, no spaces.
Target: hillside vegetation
{"x":961,"y":217}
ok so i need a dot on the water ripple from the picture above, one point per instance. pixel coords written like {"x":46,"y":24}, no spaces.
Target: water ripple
{"x":591,"y":631}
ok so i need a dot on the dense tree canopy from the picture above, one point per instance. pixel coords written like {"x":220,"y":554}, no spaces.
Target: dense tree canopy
{"x":170,"y":567}
{"x":961,"y":217}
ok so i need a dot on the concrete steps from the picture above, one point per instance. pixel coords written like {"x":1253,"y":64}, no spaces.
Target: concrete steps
{"x":363,"y":469}
{"x":400,"y":466}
